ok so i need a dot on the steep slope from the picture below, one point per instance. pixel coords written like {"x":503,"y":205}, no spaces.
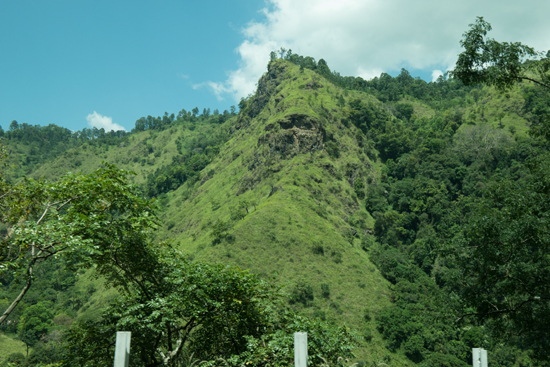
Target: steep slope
{"x":282,"y":198}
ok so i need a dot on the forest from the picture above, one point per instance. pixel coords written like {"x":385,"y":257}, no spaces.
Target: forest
{"x":399,"y":222}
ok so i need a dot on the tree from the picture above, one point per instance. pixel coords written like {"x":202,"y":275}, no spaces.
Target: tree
{"x":486,"y":61}
{"x":14,"y":125}
{"x":35,"y":323}
{"x":91,"y":220}
{"x":405,"y":110}
{"x":183,"y":309}
{"x":502,"y":269}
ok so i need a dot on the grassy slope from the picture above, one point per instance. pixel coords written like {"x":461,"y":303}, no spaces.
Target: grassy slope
{"x":134,"y":156}
{"x":8,"y":346}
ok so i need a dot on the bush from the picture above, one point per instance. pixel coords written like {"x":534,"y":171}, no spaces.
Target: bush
{"x":14,"y":359}
{"x":302,"y":293}
{"x":332,"y":149}
{"x":318,"y":250}
{"x":325,"y":290}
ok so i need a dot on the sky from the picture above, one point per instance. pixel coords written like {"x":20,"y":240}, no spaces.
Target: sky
{"x":101,"y":63}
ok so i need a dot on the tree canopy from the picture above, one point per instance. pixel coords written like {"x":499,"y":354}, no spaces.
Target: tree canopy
{"x":90,"y":220}
{"x":180,"y":310}
{"x":502,"y":273}
{"x":502,"y":64}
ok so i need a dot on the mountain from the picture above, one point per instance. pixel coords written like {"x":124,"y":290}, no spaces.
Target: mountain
{"x":342,"y":189}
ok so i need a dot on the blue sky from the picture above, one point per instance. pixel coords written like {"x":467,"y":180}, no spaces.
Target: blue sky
{"x":115,"y":61}
{"x":63,"y":60}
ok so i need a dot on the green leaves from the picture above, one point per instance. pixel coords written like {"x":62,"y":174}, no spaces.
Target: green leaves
{"x":502,"y":258}
{"x":177,"y":308}
{"x":35,"y":323}
{"x":486,"y":61}
{"x":91,"y":220}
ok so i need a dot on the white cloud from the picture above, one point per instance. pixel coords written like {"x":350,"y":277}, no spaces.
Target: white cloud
{"x":368,"y":74}
{"x":219,"y":89}
{"x":99,"y":121}
{"x":366,"y":37}
{"x":436,"y":74}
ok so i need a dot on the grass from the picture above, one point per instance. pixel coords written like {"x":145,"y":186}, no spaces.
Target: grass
{"x":9,"y":345}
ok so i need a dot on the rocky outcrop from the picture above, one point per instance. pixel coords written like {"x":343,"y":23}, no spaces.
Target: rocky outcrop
{"x":295,"y":134}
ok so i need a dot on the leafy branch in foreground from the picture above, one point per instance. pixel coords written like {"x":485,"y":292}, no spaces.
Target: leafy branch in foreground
{"x":88,"y":219}
{"x":502,"y":64}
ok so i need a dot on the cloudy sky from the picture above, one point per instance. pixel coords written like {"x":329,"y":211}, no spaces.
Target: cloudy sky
{"x":106,"y":63}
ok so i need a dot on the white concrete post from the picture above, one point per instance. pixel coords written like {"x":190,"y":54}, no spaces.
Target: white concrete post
{"x":300,"y":349}
{"x":484,"y":358}
{"x":479,"y":357}
{"x":122,"y":348}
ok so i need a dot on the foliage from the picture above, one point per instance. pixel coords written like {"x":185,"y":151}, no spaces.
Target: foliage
{"x":35,"y":323}
{"x":502,"y":257}
{"x":301,"y":293}
{"x":87,"y":219}
{"x":439,"y":94}
{"x":428,"y":192}
{"x":220,"y":231}
{"x":486,"y":61}
{"x":183,"y":308}
{"x":194,"y":155}
{"x":327,"y":345}
{"x":418,"y":156}
{"x":31,"y":146}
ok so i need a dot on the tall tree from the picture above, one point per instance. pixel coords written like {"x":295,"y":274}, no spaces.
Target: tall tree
{"x":502,"y":64}
{"x":35,"y":323}
{"x":89,"y":219}
{"x":503,"y":266}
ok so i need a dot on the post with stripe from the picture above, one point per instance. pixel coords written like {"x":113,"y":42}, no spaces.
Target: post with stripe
{"x":300,"y":349}
{"x":122,"y":348}
{"x":479,"y":357}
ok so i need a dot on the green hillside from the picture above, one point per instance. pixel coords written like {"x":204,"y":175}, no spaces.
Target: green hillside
{"x":285,"y":205}
{"x":341,"y":189}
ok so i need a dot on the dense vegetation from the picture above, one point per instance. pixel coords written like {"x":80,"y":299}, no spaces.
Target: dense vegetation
{"x":443,"y":186}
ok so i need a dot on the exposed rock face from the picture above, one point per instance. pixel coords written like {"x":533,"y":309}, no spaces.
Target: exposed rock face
{"x":298,"y":133}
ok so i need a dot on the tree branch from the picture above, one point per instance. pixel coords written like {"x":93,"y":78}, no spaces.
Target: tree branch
{"x":43,"y":214}
{"x":19,"y":298}
{"x":508,"y":310}
{"x":534,"y":81}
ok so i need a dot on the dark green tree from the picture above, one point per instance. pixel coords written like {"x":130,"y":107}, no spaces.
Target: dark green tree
{"x":503,"y":268}
{"x":405,"y":110}
{"x":34,"y":324}
{"x":181,"y":309}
